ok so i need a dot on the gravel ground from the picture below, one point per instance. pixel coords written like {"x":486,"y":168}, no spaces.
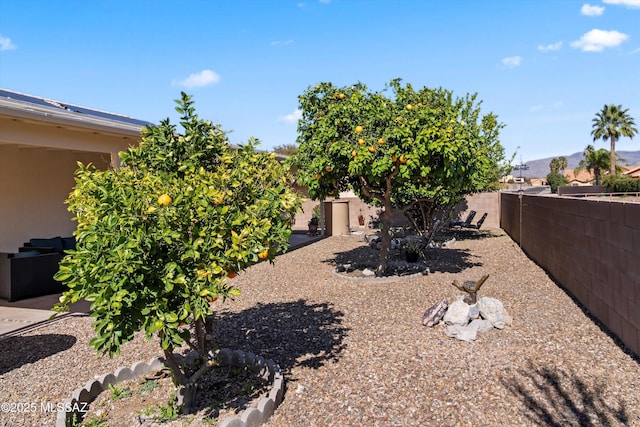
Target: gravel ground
{"x":355,"y":353}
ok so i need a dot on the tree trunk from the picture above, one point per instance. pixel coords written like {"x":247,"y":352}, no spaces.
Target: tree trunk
{"x":385,"y":217}
{"x":612,"y":166}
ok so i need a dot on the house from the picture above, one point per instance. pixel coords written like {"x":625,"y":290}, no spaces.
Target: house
{"x":632,"y":171}
{"x":580,"y":177}
{"x":41,"y":141}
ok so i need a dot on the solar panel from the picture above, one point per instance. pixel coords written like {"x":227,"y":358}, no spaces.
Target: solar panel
{"x":72,"y":108}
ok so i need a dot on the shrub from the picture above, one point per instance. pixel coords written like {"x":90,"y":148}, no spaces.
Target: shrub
{"x":160,"y":238}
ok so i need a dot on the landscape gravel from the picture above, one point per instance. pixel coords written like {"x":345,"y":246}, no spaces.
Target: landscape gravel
{"x":355,"y":353}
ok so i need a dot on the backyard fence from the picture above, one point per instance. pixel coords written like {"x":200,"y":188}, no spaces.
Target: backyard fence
{"x":590,"y":247}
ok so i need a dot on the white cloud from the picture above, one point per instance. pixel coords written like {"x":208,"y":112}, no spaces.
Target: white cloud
{"x":292,"y":118}
{"x":598,"y":40}
{"x":512,"y":61}
{"x":628,"y":3}
{"x":277,"y":42}
{"x":550,"y":47}
{"x":539,"y":107}
{"x":5,"y":43}
{"x":201,"y":79}
{"x":590,"y":10}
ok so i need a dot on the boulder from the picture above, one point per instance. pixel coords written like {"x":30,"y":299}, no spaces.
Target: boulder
{"x":481,"y":325}
{"x":474,"y":311}
{"x":434,"y":314}
{"x":463,"y":333}
{"x":492,"y":310}
{"x":468,"y":332}
{"x":457,"y":313}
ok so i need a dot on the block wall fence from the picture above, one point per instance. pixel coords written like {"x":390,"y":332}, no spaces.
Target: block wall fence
{"x":590,"y":247}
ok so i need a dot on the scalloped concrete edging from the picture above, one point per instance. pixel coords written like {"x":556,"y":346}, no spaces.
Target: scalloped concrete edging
{"x":251,"y":417}
{"x":386,"y":279}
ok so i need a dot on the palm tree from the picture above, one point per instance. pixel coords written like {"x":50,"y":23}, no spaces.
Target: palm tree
{"x":595,"y":161}
{"x":611,"y":123}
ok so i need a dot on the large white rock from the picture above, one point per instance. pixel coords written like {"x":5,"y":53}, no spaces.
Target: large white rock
{"x":457,"y":313}
{"x":468,"y":332}
{"x":492,"y":310}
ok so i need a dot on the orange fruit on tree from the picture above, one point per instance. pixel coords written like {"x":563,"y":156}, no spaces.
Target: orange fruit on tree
{"x":381,"y":141}
{"x":403,"y":159}
{"x":372,"y":149}
{"x":354,"y":153}
{"x":231,"y":274}
{"x":361,"y":141}
{"x":328,"y":168}
{"x":409,"y":107}
{"x":341,"y":96}
{"x":264,"y":254}
{"x":318,"y":176}
{"x":164,"y":200}
{"x":394,"y":158}
{"x":359,"y":129}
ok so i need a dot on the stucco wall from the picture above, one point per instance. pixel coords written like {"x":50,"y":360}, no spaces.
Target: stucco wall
{"x":590,"y":247}
{"x":34,"y":183}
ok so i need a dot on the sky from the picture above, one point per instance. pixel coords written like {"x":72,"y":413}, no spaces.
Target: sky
{"x":544,"y":67}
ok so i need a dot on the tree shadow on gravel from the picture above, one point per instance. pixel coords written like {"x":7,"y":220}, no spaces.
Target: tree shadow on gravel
{"x":445,"y":260}
{"x":558,"y":398}
{"x":18,"y":351}
{"x":291,"y":333}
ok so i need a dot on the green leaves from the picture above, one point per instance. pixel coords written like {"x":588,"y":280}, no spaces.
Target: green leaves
{"x":397,"y":146}
{"x":152,"y":266}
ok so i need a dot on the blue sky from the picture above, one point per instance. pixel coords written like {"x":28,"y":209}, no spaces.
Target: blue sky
{"x":545,"y":67}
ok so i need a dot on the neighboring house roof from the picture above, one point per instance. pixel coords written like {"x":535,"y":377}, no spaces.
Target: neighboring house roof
{"x":583,"y":177}
{"x":24,"y":106}
{"x":633,"y":171}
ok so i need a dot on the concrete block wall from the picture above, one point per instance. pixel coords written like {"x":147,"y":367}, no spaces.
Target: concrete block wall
{"x":590,"y":247}
{"x":481,"y":203}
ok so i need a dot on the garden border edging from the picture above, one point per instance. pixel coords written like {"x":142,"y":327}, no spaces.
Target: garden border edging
{"x":83,"y":396}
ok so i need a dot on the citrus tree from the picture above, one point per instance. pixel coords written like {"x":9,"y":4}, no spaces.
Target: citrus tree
{"x":395,"y":149}
{"x":162,"y":237}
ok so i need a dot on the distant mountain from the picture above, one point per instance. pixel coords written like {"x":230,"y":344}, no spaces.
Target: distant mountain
{"x":540,"y":168}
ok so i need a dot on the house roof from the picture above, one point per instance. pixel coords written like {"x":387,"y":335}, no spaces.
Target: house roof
{"x":25,"y":106}
{"x":583,"y":176}
{"x":633,"y":171}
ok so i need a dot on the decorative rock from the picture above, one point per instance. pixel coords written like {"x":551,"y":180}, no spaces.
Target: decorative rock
{"x":434,"y":314}
{"x":468,"y":332}
{"x":474,"y":312}
{"x":457,"y":314}
{"x":463,"y":333}
{"x":368,"y":272}
{"x":492,"y":310}
{"x":481,"y":325}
